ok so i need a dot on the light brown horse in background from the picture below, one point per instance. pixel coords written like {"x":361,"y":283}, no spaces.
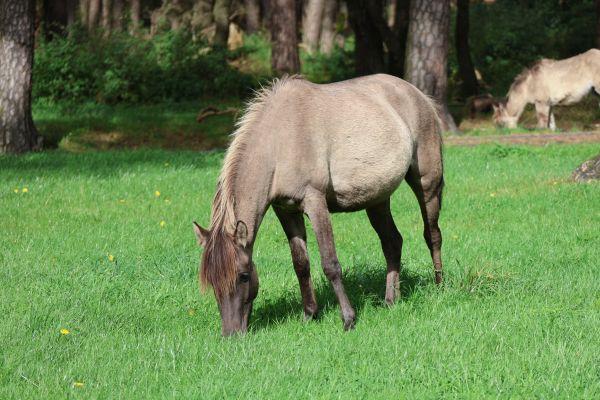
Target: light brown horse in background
{"x":314,"y":149}
{"x":549,"y":83}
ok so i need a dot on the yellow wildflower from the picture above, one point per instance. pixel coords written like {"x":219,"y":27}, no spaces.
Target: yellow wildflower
{"x":157,"y":193}
{"x":111,"y":258}
{"x":16,"y":190}
{"x":167,"y":201}
{"x":121,"y":200}
{"x":64,"y":331}
{"x":493,"y":194}
{"x":78,"y":384}
{"x":166,"y":164}
{"x":25,"y":190}
{"x":162,"y":224}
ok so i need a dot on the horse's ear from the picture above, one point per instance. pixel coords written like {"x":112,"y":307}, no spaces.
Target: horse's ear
{"x":241,"y":233}
{"x":201,"y":234}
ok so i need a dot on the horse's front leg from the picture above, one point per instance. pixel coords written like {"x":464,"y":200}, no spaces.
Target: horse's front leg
{"x":552,"y":122}
{"x":315,"y":206}
{"x":542,"y":111}
{"x":293,"y":225}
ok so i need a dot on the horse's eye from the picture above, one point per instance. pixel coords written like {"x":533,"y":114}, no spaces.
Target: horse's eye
{"x":244,"y":277}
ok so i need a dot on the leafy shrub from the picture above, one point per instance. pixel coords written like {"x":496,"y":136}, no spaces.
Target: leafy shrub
{"x":126,"y":68}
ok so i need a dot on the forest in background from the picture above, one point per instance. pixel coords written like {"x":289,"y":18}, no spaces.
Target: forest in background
{"x":151,"y":50}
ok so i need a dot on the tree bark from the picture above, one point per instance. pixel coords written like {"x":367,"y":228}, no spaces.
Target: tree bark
{"x":84,"y":11}
{"x":221,"y":14}
{"x":427,"y":54}
{"x":135,"y":14}
{"x":399,"y":37}
{"x":106,"y":16}
{"x":284,"y":35}
{"x":598,"y":24}
{"x":252,"y":16}
{"x":368,"y":52}
{"x":327,"y":41}
{"x":311,"y":24}
{"x":93,"y":14}
{"x":17,"y":131}
{"x":470,"y":87}
{"x":117,"y":15}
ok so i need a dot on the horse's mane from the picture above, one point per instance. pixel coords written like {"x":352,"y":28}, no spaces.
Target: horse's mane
{"x":525,"y":73}
{"x":220,"y":255}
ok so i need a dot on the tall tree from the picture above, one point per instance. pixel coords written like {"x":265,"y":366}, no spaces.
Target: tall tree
{"x":364,"y":16}
{"x":252,"y":15}
{"x":598,"y":24}
{"x":327,"y":39}
{"x":106,"y":16}
{"x":311,"y":24}
{"x":397,"y":37}
{"x":427,"y":54}
{"x":221,"y":14}
{"x":466,"y":70}
{"x":17,"y":131}
{"x":135,"y":14}
{"x":93,"y":13}
{"x":284,"y":35}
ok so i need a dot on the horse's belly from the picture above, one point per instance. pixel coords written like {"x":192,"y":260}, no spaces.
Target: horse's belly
{"x":366,"y":181}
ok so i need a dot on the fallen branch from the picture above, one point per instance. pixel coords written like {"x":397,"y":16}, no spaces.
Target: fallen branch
{"x":212,"y":111}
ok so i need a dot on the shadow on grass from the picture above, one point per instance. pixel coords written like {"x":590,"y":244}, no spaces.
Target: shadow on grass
{"x":365,"y":285}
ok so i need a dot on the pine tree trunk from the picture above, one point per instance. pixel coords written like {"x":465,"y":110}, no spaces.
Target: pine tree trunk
{"x":311,"y":24}
{"x":221,"y":14}
{"x":106,"y":16}
{"x":93,"y":14}
{"x":368,"y":52}
{"x":284,"y":35}
{"x":470,"y":87}
{"x":252,"y":16}
{"x":117,"y":16}
{"x":84,"y":12}
{"x":135,"y":14}
{"x":17,"y":131}
{"x":427,"y":55}
{"x":328,"y":26}
{"x":399,"y":32}
{"x":598,"y":24}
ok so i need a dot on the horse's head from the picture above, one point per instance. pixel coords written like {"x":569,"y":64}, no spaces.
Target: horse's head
{"x":501,"y":116}
{"x":227,"y":266}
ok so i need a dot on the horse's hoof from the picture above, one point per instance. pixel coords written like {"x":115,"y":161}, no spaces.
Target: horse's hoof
{"x":349,"y":323}
{"x":309,"y":316}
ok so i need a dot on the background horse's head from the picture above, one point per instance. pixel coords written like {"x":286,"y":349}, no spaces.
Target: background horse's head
{"x":501,"y":116}
{"x":227,"y":266}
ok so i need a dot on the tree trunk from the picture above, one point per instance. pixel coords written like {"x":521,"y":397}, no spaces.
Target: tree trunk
{"x":106,"y":16}
{"x":252,"y":16}
{"x":84,"y":11}
{"x":598,"y":24}
{"x":117,"y":15}
{"x":135,"y":14}
{"x":311,"y":24}
{"x":427,"y":54}
{"x":399,"y":36}
{"x":221,"y":14}
{"x":368,"y":52}
{"x":17,"y":131}
{"x":93,"y":14}
{"x":470,"y":87}
{"x":284,"y":35}
{"x":328,"y":26}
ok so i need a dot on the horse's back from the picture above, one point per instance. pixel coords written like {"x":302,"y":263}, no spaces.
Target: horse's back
{"x":355,"y":139}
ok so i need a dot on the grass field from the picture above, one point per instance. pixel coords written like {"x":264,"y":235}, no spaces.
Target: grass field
{"x":99,"y":295}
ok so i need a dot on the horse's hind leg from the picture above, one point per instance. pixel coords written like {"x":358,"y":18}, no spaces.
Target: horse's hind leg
{"x":293,"y":225}
{"x":543,"y":113}
{"x":426,"y":179}
{"x":391,"y":243}
{"x":315,"y":206}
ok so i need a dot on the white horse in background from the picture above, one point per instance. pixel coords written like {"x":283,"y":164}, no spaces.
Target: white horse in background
{"x":549,"y":83}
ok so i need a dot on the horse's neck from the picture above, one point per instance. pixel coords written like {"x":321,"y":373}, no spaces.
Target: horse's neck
{"x":251,"y":187}
{"x":516,"y":104}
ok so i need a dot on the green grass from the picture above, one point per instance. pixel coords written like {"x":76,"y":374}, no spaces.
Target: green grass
{"x":518,"y":316}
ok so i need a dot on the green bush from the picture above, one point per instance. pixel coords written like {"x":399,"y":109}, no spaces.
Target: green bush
{"x":124,"y":68}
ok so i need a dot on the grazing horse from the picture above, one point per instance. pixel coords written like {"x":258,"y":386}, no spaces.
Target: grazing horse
{"x":311,"y":149}
{"x":549,"y":83}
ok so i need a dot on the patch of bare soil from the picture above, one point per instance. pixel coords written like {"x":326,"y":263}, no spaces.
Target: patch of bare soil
{"x":527,"y":139}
